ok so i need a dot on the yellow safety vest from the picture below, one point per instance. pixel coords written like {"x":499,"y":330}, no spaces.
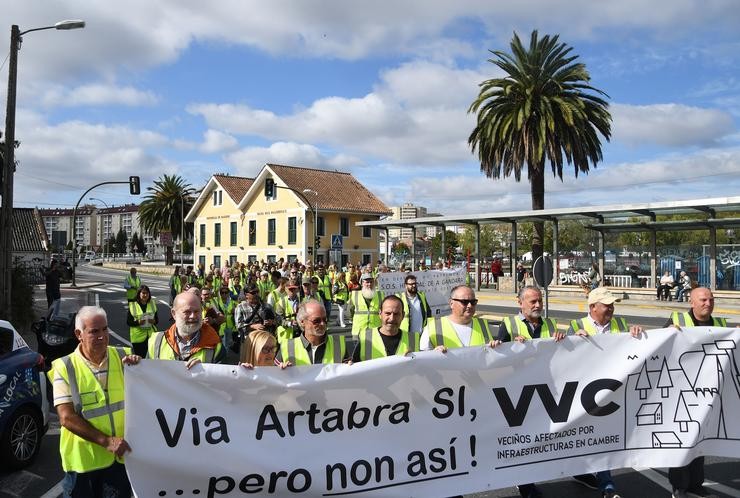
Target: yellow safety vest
{"x":617,"y":325}
{"x":159,"y":349}
{"x":294,"y":351}
{"x":365,"y":317}
{"x":265,"y":288}
{"x":133,"y":287}
{"x":325,"y":287}
{"x":140,"y":333}
{"x":372,"y":346}
{"x":103,"y":409}
{"x":442,"y":333}
{"x":515,"y":326}
{"x":684,"y":320}
{"x":342,"y":292}
{"x":285,"y":333}
{"x":424,"y":309}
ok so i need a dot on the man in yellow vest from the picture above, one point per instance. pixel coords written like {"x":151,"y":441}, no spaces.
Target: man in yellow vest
{"x":689,"y":479}
{"x":364,"y":305}
{"x":189,"y":339}
{"x":461,"y":328}
{"x":600,"y":318}
{"x":390,"y":338}
{"x":88,"y":395}
{"x":324,"y":289}
{"x":529,"y":323}
{"x":131,"y":284}
{"x":526,"y":325}
{"x":286,"y":309}
{"x":416,"y":310}
{"x":314,"y":346}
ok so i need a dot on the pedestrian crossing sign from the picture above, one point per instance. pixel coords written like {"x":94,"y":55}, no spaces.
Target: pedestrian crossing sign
{"x":336,"y":241}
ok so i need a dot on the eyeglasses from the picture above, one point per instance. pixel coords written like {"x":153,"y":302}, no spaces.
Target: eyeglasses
{"x":269,"y":349}
{"x":465,"y":302}
{"x":318,"y":321}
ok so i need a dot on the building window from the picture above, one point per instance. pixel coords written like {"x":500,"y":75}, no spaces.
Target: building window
{"x":218,"y":197}
{"x":292,"y":229}
{"x":202,"y":261}
{"x":271,"y":232}
{"x":344,"y":227}
{"x":251,"y":258}
{"x":291,"y":258}
{"x":217,"y":261}
{"x":217,"y":235}
{"x":320,"y":226}
{"x":320,"y":258}
{"x":366,"y":231}
{"x":252,"y":232}
{"x":232,"y":260}
{"x":232,"y":234}
{"x":271,"y":258}
{"x":202,"y":236}
{"x":367,"y":259}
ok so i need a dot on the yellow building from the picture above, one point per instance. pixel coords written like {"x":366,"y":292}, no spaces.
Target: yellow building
{"x":234,"y":219}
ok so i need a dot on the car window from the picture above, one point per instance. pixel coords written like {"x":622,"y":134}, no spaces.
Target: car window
{"x":6,"y":341}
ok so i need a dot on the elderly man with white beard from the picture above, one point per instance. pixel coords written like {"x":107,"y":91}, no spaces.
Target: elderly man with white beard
{"x":364,"y":306}
{"x":188,"y":339}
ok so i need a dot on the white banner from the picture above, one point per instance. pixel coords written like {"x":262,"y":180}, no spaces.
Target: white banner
{"x":437,"y":285}
{"x":434,"y":424}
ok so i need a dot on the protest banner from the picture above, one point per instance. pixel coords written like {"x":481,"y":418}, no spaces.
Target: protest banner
{"x":437,"y":285}
{"x":434,"y":424}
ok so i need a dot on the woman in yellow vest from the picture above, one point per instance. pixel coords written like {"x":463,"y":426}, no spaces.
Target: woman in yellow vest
{"x":340,"y":291}
{"x":142,"y":319}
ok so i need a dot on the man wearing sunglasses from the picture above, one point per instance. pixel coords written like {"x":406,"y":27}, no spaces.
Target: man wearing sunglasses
{"x":461,"y":328}
{"x":314,"y":346}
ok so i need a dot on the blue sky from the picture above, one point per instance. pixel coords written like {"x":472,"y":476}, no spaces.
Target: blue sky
{"x":379,"y":89}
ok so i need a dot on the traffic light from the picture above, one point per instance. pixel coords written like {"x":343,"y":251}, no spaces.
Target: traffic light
{"x":317,"y":242}
{"x":133,"y":185}
{"x":269,"y":187}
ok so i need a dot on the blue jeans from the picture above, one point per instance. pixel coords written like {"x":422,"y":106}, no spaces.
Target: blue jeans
{"x":111,"y":482}
{"x":605,"y":480}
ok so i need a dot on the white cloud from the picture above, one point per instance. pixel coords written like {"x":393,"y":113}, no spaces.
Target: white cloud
{"x":670,"y":125}
{"x":217,"y":141}
{"x":97,"y":94}
{"x":249,"y":160}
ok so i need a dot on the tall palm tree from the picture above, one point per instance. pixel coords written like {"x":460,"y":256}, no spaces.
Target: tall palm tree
{"x":163,"y":208}
{"x":544,"y":109}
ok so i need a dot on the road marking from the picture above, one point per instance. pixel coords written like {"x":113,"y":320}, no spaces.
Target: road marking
{"x":164,"y":302}
{"x":125,"y":341}
{"x":104,"y":290}
{"x":55,"y":491}
{"x":657,"y":478}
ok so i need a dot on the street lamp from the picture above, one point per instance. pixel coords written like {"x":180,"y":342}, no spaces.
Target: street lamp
{"x":315,"y":220}
{"x":8,"y":166}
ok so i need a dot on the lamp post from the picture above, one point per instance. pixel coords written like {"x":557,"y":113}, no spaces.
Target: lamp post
{"x":315,"y":220}
{"x":8,"y":166}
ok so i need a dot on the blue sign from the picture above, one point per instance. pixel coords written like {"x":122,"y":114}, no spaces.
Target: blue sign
{"x":336,"y":241}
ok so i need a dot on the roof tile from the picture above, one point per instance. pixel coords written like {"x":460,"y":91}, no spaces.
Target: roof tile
{"x":235,"y":186}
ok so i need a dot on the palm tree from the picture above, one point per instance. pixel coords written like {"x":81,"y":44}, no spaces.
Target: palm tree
{"x":162,"y":209}
{"x":543,"y":109}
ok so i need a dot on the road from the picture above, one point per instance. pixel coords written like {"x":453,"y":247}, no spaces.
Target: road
{"x":43,"y":478}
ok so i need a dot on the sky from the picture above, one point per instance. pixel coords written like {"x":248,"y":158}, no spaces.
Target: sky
{"x":379,"y":89}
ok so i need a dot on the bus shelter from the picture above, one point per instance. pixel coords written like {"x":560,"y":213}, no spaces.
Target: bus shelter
{"x":708,"y":267}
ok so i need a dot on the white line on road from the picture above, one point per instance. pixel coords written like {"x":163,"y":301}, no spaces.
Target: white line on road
{"x":166,"y":303}
{"x":55,"y":491}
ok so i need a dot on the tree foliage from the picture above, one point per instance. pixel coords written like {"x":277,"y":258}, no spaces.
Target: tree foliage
{"x":163,"y":207}
{"x":542,"y":110}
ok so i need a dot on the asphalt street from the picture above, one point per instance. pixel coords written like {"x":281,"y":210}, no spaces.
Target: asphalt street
{"x":105,"y":286}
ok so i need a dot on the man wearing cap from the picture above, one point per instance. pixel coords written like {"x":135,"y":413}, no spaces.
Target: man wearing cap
{"x":364,"y":305}
{"x":689,"y":480}
{"x":601,"y":320}
{"x":252,"y":314}
{"x":286,"y":308}
{"x":264,"y":284}
{"x":461,"y":328}
{"x":310,"y":289}
{"x":314,"y":346}
{"x":416,"y":310}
